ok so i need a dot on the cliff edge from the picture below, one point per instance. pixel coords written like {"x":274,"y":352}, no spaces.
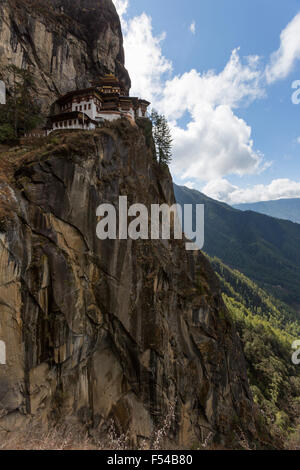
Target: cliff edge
{"x":116,"y":329}
{"x":99,"y":331}
{"x":64,"y":43}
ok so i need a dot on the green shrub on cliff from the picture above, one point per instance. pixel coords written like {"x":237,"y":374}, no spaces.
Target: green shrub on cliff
{"x":267,"y":329}
{"x":21,"y":113}
{"x":162,"y":138}
{"x":7,"y":133}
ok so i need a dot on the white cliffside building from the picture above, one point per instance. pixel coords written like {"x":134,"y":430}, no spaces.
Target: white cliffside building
{"x":87,"y":108}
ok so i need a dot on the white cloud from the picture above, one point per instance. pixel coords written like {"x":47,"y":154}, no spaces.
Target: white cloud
{"x":298,"y":140}
{"x":223,"y":190}
{"x":283,"y":60}
{"x":190,"y":184}
{"x":235,"y":85}
{"x":144,"y":59}
{"x":193,"y":27}
{"x":121,"y":7}
{"x":215,"y":141}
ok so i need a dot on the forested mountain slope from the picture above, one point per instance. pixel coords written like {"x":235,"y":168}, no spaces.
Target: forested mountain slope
{"x":264,"y":248}
{"x":267,"y":329}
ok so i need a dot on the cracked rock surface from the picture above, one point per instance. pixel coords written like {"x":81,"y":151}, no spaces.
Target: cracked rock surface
{"x":64,"y":43}
{"x":116,"y":329}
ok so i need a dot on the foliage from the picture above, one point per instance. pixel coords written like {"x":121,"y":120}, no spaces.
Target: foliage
{"x":267,"y":329}
{"x":162,"y":138}
{"x":21,"y":113}
{"x":265,"y":249}
{"x":237,"y":286}
{"x":7,"y":133}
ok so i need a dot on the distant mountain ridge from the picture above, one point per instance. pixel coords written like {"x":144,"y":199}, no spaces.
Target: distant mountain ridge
{"x":265,"y":249}
{"x":287,"y":209}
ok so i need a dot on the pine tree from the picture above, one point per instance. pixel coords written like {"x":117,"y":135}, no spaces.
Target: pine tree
{"x":162,"y":138}
{"x":21,"y":113}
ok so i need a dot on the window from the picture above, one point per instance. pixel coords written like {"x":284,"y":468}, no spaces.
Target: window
{"x":70,"y":123}
{"x":80,"y":107}
{"x":85,"y":107}
{"x":2,"y":353}
{"x":89,"y":106}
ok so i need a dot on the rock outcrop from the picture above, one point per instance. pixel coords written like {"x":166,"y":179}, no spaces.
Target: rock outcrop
{"x":97,"y":330}
{"x":64,"y":43}
{"x":116,"y":329}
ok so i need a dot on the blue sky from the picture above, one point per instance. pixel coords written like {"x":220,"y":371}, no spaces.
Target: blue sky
{"x":234,"y":125}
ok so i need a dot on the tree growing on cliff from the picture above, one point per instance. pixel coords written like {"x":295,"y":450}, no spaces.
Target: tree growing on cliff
{"x":21,"y":113}
{"x":162,"y":138}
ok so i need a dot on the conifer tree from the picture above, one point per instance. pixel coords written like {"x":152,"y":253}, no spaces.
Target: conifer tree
{"x":162,"y":138}
{"x":21,"y":113}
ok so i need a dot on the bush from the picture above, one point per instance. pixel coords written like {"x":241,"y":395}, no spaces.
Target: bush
{"x":162,"y":138}
{"x":7,"y":133}
{"x":21,"y":113}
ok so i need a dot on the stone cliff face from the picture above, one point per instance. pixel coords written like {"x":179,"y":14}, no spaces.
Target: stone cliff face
{"x":99,"y":330}
{"x":65,"y":43}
